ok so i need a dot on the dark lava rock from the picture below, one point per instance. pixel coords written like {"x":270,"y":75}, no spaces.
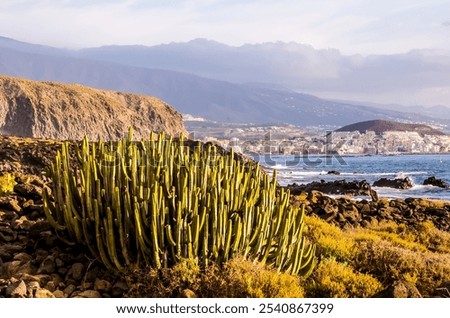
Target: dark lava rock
{"x":334,"y":187}
{"x":334,"y":172}
{"x":405,"y":183}
{"x":436,"y":182}
{"x":10,"y":204}
{"x":30,"y":191}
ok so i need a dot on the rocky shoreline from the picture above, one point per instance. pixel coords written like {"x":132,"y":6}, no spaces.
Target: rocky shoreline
{"x":36,"y":263}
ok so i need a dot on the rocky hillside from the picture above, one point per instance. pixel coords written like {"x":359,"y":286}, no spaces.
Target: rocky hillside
{"x":381,"y":126}
{"x":67,"y":111}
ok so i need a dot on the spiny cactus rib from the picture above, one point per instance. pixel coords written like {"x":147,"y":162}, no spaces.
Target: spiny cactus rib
{"x":157,"y":201}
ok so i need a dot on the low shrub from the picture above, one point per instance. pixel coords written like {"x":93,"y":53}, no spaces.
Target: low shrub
{"x":390,"y":263}
{"x":7,"y":183}
{"x":238,"y":278}
{"x":338,"y":280}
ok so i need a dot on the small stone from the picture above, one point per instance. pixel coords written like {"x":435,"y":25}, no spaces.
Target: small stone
{"x":187,"y":293}
{"x":8,"y":250}
{"x":40,"y":279}
{"x":48,"y":266}
{"x":86,"y":286}
{"x":400,"y":289}
{"x":77,"y":271}
{"x":59,"y":262}
{"x":17,"y":268}
{"x":89,"y":294}
{"x":102,"y":285}
{"x":69,"y":289}
{"x":32,"y":287}
{"x":7,"y":234}
{"x":10,"y":204}
{"x":62,"y":271}
{"x":51,"y":286}
{"x":43,"y":293}
{"x":30,"y":191}
{"x":17,"y":290}
{"x":37,"y":228}
{"x":41,"y":255}
{"x":22,"y":257}
{"x":119,"y":288}
{"x":59,"y":294}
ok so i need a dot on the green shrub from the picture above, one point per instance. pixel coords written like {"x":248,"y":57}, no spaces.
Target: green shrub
{"x":158,"y":202}
{"x":7,"y":183}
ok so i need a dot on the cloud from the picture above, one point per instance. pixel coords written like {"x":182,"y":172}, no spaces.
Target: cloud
{"x":353,"y":26}
{"x":446,"y":23}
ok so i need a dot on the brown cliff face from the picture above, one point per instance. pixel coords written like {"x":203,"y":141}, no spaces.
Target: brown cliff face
{"x":69,"y":112}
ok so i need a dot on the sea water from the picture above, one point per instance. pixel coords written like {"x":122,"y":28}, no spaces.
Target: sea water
{"x":306,"y":169}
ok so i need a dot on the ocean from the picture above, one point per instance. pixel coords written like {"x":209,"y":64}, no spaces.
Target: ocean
{"x":303,"y":170}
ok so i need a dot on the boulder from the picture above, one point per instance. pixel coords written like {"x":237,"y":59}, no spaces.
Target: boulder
{"x":405,"y":183}
{"x":436,"y":182}
{"x":400,"y":289}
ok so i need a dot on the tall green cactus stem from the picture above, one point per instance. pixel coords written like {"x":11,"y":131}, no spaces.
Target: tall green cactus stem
{"x":158,"y":201}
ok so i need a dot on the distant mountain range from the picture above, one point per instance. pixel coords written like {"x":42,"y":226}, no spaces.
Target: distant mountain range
{"x":218,"y":82}
{"x":381,"y":126}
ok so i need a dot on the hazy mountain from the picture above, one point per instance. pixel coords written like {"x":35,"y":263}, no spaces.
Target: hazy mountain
{"x":418,"y":77}
{"x":199,"y":96}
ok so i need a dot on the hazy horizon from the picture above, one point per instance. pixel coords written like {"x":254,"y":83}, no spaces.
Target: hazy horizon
{"x":350,"y":26}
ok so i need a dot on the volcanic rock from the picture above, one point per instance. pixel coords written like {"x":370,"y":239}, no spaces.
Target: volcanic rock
{"x":405,"y":183}
{"x":335,"y":187}
{"x":436,"y":182}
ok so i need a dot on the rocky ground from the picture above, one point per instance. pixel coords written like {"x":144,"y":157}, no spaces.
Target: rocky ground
{"x":35,"y":262}
{"x":345,"y":212}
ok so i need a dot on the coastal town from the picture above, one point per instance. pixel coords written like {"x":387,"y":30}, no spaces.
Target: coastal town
{"x":291,"y":140}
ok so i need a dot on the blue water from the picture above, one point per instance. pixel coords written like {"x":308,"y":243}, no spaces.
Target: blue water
{"x":370,"y":168}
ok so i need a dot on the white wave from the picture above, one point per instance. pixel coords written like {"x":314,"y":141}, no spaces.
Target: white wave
{"x":278,"y":166}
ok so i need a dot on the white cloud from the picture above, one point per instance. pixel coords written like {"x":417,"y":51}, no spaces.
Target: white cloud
{"x":350,"y":25}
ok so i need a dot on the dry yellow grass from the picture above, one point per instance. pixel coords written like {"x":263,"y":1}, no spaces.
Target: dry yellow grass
{"x":239,"y":278}
{"x":387,"y":252}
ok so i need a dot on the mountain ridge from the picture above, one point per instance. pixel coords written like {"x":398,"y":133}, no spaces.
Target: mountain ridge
{"x":189,"y":93}
{"x":71,"y":111}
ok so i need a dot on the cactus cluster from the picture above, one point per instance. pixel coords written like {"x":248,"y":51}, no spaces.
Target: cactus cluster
{"x":157,"y":201}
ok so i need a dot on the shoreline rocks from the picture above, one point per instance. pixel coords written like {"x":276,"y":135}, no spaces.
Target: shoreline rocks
{"x":345,"y":212}
{"x":333,"y":187}
{"x":405,"y":183}
{"x":436,"y":182}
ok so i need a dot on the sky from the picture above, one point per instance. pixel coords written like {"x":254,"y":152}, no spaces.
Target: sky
{"x":351,"y":26}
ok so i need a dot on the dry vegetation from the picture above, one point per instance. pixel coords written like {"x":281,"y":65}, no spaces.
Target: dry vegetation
{"x":359,"y":262}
